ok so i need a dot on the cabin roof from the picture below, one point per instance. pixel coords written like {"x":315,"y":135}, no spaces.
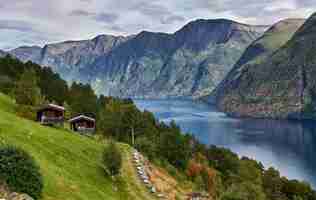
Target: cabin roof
{"x":81,"y":117}
{"x":52,"y":106}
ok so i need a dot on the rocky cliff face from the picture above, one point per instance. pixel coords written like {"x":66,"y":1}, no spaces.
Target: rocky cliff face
{"x":190,"y":62}
{"x":282,"y":85}
{"x":261,"y":49}
{"x":26,"y":53}
{"x":2,"y":53}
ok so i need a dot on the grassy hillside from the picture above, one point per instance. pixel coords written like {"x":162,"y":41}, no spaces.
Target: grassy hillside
{"x":70,"y":164}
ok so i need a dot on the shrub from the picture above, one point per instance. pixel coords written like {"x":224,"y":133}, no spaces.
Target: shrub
{"x":112,"y":159}
{"x":20,"y":172}
{"x":27,"y":112}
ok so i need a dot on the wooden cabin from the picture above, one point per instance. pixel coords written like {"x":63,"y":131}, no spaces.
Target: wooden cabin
{"x":82,"y":124}
{"x":51,"y":114}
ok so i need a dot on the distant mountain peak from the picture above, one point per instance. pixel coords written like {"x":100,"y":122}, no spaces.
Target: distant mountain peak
{"x":308,"y":29}
{"x":189,"y":62}
{"x":286,"y":24}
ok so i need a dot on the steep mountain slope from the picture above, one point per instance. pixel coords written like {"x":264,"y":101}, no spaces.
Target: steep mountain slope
{"x":282,"y":85}
{"x":68,"y":58}
{"x":190,"y":62}
{"x":259,"y":50}
{"x":2,"y":53}
{"x":26,"y":53}
{"x":71,"y":164}
{"x":273,"y":39}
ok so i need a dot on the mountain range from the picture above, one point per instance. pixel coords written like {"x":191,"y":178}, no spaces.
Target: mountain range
{"x":279,"y":85}
{"x":188,"y":63}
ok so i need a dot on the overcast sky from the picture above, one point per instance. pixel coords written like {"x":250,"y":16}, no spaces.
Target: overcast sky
{"x":36,"y":22}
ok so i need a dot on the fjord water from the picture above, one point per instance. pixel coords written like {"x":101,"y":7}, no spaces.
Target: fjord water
{"x":289,"y":146}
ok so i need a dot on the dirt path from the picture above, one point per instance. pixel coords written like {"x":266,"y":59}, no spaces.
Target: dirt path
{"x":136,"y":189}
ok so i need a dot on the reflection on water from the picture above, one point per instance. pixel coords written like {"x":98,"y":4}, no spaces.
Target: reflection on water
{"x":287,"y":145}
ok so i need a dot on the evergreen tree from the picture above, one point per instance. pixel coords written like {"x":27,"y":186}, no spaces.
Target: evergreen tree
{"x":82,"y":99}
{"x":272,"y":184}
{"x":26,"y":90}
{"x":110,"y":120}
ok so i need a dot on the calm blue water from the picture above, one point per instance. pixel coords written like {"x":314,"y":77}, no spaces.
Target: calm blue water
{"x":286,"y":145}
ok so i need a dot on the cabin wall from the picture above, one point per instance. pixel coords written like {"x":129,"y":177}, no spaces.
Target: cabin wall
{"x":52,"y":113}
{"x":84,"y":123}
{"x":50,"y":116}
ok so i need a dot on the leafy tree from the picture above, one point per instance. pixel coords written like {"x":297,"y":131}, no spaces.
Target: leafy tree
{"x":295,"y":189}
{"x":250,"y":170}
{"x":26,"y":91}
{"x":133,"y":121}
{"x":244,"y":191}
{"x":272,"y":184}
{"x":213,"y":182}
{"x":112,"y":159}
{"x":52,"y":86}
{"x":223,"y":160}
{"x":110,"y":120}
{"x":82,"y":99}
{"x":173,"y":147}
{"x":194,"y":169}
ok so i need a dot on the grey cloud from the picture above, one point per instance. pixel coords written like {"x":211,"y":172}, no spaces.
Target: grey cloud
{"x":117,"y":28}
{"x":16,"y":25}
{"x":231,"y":5}
{"x":103,"y":17}
{"x":158,"y":12}
{"x":305,"y":3}
{"x":172,"y":19}
{"x":106,"y":17}
{"x":25,"y":27}
{"x":252,"y":11}
{"x":151,"y":9}
{"x":80,"y":13}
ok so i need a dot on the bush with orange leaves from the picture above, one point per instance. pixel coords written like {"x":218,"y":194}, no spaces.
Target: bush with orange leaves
{"x":198,"y":168}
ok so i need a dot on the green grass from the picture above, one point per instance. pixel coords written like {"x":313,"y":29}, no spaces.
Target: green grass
{"x":6,"y":103}
{"x":70,"y":164}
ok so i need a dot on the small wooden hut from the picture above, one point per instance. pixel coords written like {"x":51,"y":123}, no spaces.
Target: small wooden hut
{"x":82,"y":124}
{"x":51,"y":114}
